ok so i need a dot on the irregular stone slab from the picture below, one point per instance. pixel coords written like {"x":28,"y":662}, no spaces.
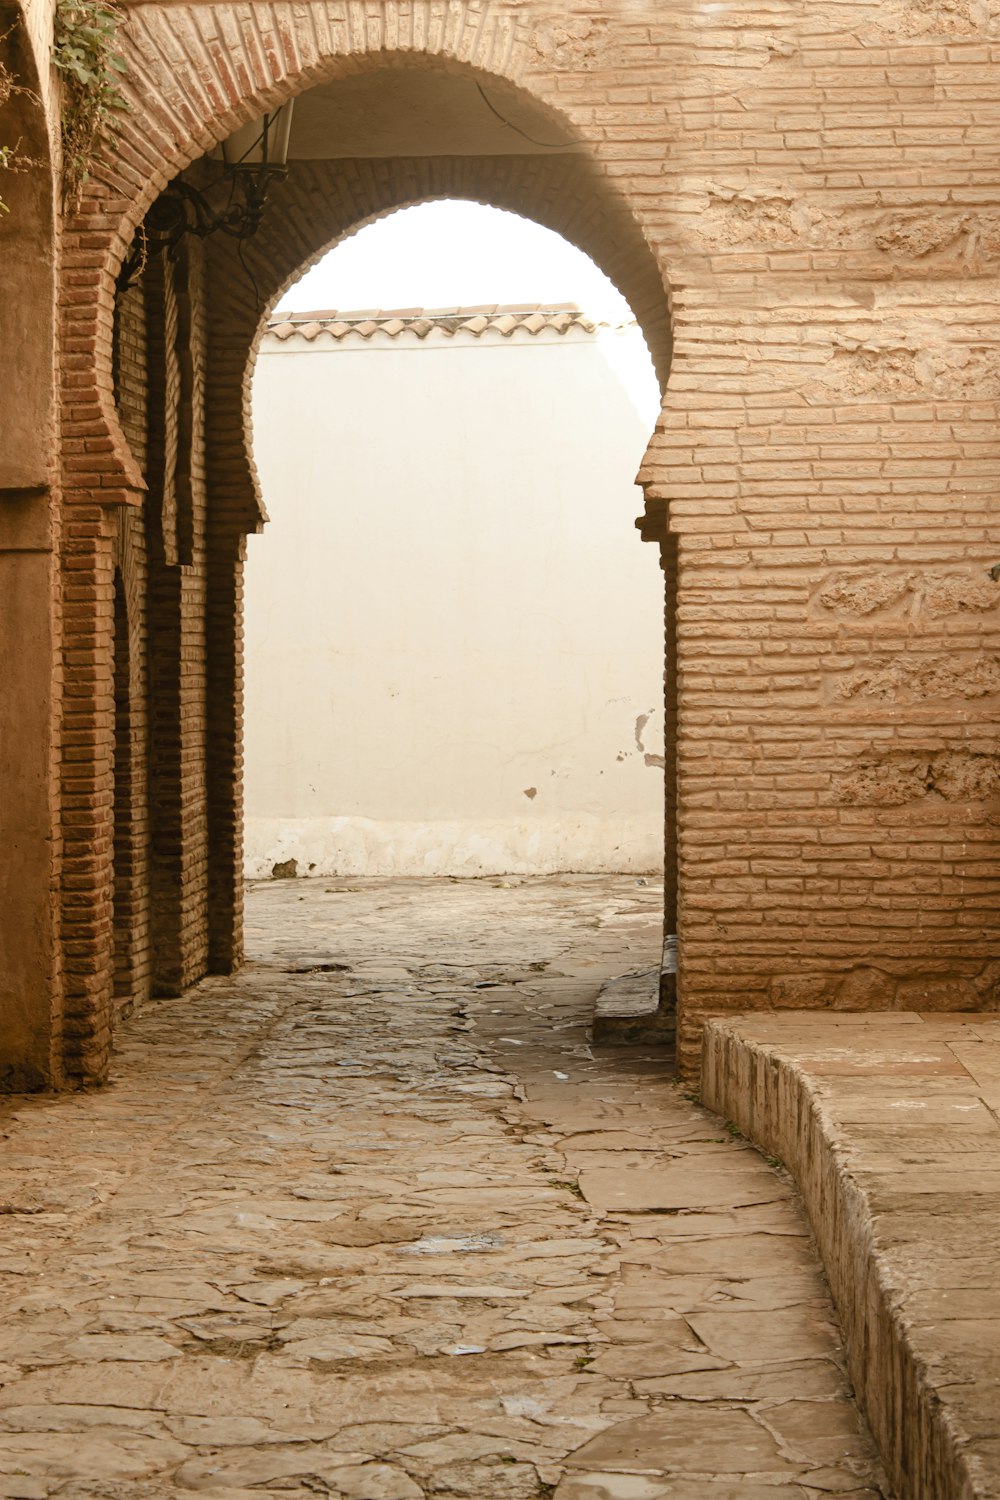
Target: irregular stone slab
{"x":681,"y":1439}
{"x":250,"y":1467}
{"x":678,"y":1186}
{"x":97,"y":1454}
{"x":478,"y":1293}
{"x":376,"y":1482}
{"x":745,"y":1336}
{"x":106,"y":1346}
{"x":636,"y":1487}
{"x":52,"y":1418}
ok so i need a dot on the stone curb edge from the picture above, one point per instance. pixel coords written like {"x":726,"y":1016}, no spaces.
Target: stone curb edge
{"x":775,"y":1103}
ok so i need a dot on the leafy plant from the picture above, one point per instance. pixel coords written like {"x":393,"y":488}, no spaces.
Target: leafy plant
{"x":7,"y":155}
{"x":86,"y":56}
{"x":12,"y":159}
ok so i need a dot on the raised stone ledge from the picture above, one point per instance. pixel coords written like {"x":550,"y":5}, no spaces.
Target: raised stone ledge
{"x":889,"y":1124}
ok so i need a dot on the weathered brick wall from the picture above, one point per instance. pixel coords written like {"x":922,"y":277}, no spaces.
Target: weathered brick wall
{"x":817,"y":186}
{"x":160,"y":776}
{"x":131,"y":754}
{"x":175,"y":541}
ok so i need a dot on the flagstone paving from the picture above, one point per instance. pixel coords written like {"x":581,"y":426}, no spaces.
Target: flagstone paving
{"x":371,"y":1220}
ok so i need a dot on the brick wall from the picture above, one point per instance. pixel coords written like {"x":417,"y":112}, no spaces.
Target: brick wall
{"x":810,"y":195}
{"x":160,"y":775}
{"x":131,"y":757}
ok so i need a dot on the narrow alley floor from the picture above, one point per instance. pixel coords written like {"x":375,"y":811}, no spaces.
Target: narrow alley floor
{"x":371,"y":1221}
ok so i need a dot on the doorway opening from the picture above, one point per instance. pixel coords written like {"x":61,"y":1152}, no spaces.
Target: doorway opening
{"x":453,"y":648}
{"x":414,"y":776}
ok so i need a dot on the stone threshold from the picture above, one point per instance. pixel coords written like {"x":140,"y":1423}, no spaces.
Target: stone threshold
{"x":639,"y":1008}
{"x":889,"y":1124}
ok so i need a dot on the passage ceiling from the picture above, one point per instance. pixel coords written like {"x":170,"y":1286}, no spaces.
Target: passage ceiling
{"x":403,"y":112}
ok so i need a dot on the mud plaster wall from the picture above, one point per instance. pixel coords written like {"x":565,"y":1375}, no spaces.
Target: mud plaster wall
{"x":819,"y":186}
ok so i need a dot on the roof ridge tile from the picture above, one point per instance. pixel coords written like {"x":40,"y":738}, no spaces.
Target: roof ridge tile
{"x":504,"y":318}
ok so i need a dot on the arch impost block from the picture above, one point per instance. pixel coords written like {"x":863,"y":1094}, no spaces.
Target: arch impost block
{"x":654,"y":523}
{"x":121,"y":496}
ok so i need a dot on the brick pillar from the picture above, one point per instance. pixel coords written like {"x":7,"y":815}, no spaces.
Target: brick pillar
{"x":166,"y":814}
{"x":88,"y":791}
{"x":224,"y":628}
{"x":176,"y":629}
{"x":130,"y":917}
{"x":668,"y":561}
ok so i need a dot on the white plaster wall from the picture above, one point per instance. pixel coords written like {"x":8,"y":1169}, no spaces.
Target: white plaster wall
{"x":454,"y":634}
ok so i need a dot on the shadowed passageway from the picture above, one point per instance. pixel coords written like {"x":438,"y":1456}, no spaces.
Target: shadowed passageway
{"x":372,"y":1221}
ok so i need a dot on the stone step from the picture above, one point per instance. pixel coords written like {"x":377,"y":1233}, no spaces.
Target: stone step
{"x":639,"y":1008}
{"x":888,"y":1123}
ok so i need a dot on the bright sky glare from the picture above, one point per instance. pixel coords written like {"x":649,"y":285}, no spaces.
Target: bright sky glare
{"x":455,"y":253}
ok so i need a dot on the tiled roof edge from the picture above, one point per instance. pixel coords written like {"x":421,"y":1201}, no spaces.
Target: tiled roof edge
{"x":501,"y":318}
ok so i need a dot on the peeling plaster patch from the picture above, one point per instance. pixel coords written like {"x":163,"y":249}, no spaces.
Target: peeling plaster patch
{"x":940,"y":18}
{"x":905,"y":776}
{"x":913,"y":236}
{"x":738,"y":216}
{"x":640,"y":730}
{"x":931,"y":677}
{"x":286,"y":869}
{"x":971,"y":372}
{"x":937,"y":593}
{"x":531,"y":792}
{"x":947,"y":593}
{"x":868,"y":987}
{"x":572,"y":42}
{"x":863,"y":593}
{"x":860,"y":369}
{"x":864,"y":367}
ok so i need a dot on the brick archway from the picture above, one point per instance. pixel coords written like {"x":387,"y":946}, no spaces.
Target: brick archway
{"x":193,"y":909}
{"x":318,"y":205}
{"x":193,"y":76}
{"x":820,"y":482}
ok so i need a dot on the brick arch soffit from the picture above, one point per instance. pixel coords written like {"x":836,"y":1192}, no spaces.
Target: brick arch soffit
{"x":186,"y":94}
{"x":636,"y":273}
{"x":525,"y":186}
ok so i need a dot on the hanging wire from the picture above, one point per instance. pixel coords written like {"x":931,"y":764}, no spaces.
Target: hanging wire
{"x":549,"y":145}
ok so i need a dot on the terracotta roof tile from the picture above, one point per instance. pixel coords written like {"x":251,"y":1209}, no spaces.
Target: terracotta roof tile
{"x":502,"y":318}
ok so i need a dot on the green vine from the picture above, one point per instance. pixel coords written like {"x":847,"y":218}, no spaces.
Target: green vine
{"x":7,"y":157}
{"x":7,"y":153}
{"x":12,"y":158}
{"x":91,"y":69}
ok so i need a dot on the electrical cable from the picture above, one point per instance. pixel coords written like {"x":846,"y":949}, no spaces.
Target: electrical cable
{"x":548,"y":145}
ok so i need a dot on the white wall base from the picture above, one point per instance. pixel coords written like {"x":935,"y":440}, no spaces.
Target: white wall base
{"x":362,"y":846}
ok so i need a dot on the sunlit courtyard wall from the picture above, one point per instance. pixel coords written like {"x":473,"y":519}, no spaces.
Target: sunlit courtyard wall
{"x":452,"y":650}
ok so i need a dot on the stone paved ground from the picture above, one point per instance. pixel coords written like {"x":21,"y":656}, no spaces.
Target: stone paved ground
{"x":371,"y":1221}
